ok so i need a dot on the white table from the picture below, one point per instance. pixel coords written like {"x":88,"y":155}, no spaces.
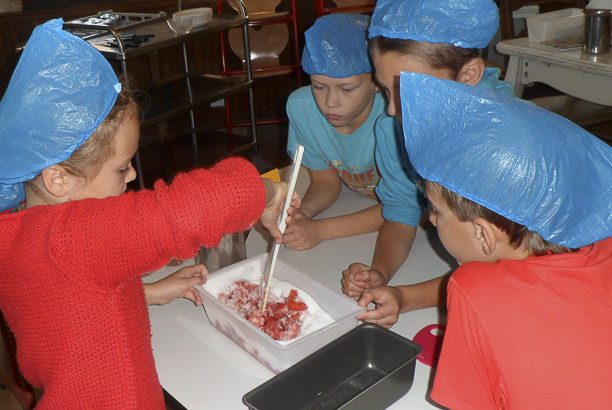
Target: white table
{"x":203,"y":369}
{"x":581,"y":75}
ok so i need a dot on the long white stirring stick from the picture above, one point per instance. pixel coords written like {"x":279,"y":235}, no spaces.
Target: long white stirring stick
{"x":282,"y":224}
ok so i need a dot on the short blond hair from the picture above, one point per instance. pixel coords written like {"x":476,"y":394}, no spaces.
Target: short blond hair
{"x":518,"y":235}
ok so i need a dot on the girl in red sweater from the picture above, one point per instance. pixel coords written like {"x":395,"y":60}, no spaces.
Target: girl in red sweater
{"x":73,"y":253}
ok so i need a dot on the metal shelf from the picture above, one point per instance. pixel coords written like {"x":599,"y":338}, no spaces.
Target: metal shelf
{"x":171,"y":98}
{"x":162,"y":35}
{"x":177,"y":94}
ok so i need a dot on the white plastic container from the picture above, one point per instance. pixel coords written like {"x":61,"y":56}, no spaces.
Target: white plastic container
{"x":201,"y":15}
{"x":556,"y":24}
{"x":272,"y":354}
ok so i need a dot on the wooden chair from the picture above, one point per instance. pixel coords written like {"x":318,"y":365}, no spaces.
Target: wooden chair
{"x":271,"y":33}
{"x":266,"y":43}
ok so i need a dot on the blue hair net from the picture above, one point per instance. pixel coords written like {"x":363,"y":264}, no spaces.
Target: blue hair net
{"x":337,"y":46}
{"x":527,"y":164}
{"x":60,"y":92}
{"x":462,"y":23}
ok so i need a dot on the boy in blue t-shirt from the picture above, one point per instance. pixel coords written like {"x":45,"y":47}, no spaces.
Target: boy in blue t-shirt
{"x":441,"y":38}
{"x":334,"y":119}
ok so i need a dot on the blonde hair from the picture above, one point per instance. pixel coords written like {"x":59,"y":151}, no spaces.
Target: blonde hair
{"x":518,"y":235}
{"x":88,"y":159}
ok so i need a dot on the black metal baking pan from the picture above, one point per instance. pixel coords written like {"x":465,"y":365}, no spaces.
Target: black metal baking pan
{"x":369,"y":367}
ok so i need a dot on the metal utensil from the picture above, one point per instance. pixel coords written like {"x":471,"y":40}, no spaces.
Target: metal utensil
{"x":597,"y":31}
{"x":282,"y":224}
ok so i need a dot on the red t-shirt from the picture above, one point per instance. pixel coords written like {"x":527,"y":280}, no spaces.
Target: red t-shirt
{"x":70,"y":285}
{"x":529,"y":334}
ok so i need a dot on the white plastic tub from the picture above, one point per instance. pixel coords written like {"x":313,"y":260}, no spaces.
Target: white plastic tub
{"x":272,"y":354}
{"x":556,"y":24}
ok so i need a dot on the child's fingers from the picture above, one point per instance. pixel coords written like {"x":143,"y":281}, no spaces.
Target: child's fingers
{"x":379,"y":296}
{"x":198,"y":298}
{"x":290,"y":221}
{"x":380,"y":316}
{"x":201,"y":268}
{"x":371,"y":315}
{"x":296,"y":201}
{"x":199,"y":271}
{"x":361,"y":276}
{"x":189,"y":294}
{"x":352,"y":289}
{"x":367,"y":297}
{"x":193,"y":295}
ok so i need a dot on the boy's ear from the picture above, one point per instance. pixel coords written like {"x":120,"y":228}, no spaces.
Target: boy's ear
{"x":471,"y":73}
{"x":56,"y":180}
{"x":485,"y":234}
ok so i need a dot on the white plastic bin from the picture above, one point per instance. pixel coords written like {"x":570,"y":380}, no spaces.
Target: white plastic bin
{"x":272,"y":354}
{"x":556,"y":24}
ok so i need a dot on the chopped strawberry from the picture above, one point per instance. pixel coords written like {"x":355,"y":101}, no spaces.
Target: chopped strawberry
{"x":257,"y":318}
{"x":298,"y":306}
{"x":283,"y":317}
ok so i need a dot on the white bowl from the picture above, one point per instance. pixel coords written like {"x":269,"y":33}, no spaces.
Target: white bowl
{"x":201,"y":15}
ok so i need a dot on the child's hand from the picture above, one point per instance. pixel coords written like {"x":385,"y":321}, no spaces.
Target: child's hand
{"x":178,"y":284}
{"x":276,"y":192}
{"x":302,"y":232}
{"x":388,"y":302}
{"x":359,"y":277}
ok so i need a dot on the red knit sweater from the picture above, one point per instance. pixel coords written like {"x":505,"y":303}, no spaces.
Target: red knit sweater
{"x":70,"y":285}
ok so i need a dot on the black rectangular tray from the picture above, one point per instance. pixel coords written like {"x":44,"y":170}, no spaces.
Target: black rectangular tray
{"x":367,"y":368}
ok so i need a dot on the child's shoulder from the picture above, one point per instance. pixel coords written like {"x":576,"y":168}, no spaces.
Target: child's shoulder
{"x":301,"y":104}
{"x":301,"y":94}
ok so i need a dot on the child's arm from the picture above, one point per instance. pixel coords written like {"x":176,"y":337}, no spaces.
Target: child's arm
{"x":391,"y":301}
{"x":392,"y":248}
{"x":393,"y":245}
{"x":276,"y":192}
{"x":324,"y":189}
{"x":106,"y":242}
{"x":304,"y":233}
{"x":178,"y":284}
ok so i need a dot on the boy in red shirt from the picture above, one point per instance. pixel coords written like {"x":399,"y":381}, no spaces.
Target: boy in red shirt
{"x":522,"y":199}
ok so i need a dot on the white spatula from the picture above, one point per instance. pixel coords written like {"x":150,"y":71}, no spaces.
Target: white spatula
{"x":282,"y":224}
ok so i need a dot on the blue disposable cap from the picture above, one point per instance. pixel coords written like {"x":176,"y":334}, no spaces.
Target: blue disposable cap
{"x":462,"y":23}
{"x":337,"y":46}
{"x":525,"y":163}
{"x":59,"y":93}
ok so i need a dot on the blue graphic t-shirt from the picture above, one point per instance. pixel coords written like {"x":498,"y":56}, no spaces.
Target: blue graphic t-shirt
{"x":350,"y":156}
{"x":401,"y":200}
